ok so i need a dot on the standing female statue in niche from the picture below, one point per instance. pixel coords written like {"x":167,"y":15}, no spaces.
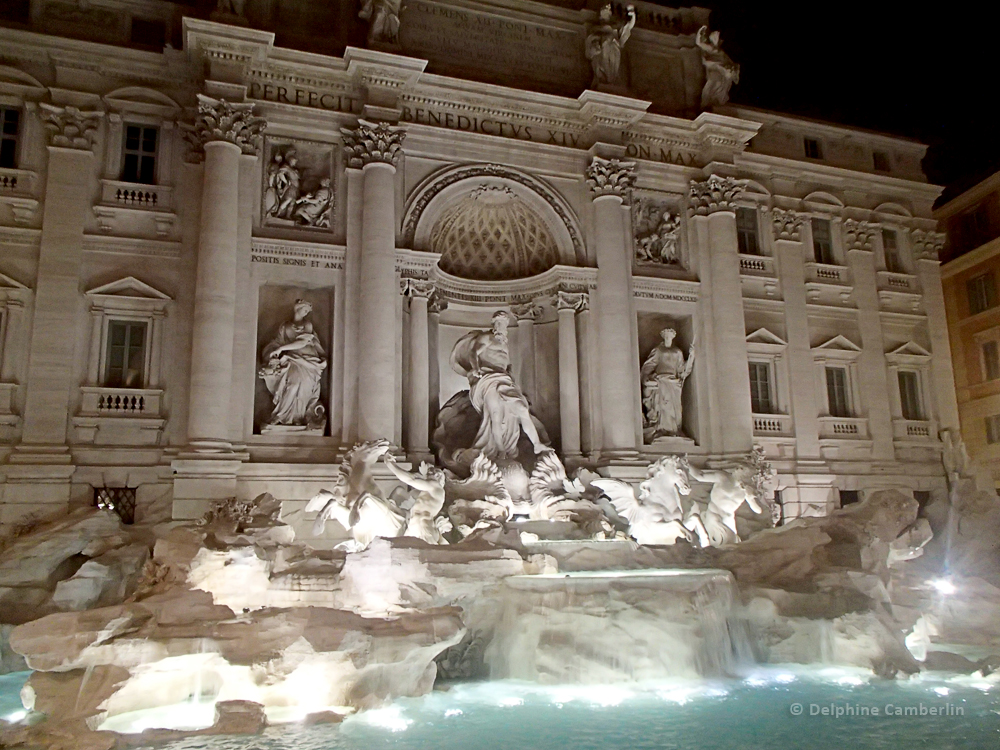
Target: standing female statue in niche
{"x":294,"y":364}
{"x":604,"y":47}
{"x":663,"y":375}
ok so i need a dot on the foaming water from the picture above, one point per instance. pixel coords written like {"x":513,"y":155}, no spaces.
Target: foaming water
{"x":677,"y":714}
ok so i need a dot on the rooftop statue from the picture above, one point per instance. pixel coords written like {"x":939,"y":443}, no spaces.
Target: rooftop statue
{"x":294,"y":362}
{"x":663,"y":375}
{"x":383,"y":20}
{"x":720,"y":70}
{"x":604,"y":48}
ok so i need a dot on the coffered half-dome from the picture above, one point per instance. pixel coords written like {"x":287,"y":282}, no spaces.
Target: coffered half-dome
{"x":492,"y":234}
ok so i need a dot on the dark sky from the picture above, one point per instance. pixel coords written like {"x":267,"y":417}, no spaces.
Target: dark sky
{"x":928,"y":72}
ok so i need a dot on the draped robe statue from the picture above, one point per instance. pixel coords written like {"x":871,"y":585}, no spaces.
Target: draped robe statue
{"x":484,"y":358}
{"x":294,"y":365}
{"x":604,"y":47}
{"x":663,"y":375}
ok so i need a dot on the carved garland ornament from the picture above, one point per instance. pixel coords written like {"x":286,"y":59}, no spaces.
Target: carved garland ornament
{"x":372,"y":142}
{"x":714,"y":194}
{"x":70,"y":127}
{"x":611,"y":177}
{"x":787,"y":224}
{"x":926,"y":245}
{"x":219,"y":120}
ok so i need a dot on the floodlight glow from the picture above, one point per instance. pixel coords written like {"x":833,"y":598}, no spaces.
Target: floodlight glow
{"x":15,"y":717}
{"x":943,"y":586}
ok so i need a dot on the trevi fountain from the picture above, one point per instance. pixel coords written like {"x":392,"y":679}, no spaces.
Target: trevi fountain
{"x":415,"y":403}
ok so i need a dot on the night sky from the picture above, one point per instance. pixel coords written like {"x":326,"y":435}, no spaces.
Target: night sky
{"x":928,"y":72}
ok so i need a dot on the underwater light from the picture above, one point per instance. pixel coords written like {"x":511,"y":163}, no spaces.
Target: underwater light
{"x":15,"y":717}
{"x":943,"y":586}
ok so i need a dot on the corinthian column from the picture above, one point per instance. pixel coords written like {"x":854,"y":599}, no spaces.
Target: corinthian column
{"x":610,"y":182}
{"x":419,"y":401}
{"x":568,"y":304}
{"x":222,"y":131}
{"x":375,"y":148}
{"x":51,"y":377}
{"x":712,"y":207}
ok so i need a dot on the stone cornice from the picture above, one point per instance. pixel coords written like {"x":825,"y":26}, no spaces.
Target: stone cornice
{"x":714,"y":194}
{"x":372,"y":142}
{"x":611,"y":177}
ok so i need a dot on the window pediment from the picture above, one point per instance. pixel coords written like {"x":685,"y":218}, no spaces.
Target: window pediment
{"x":909,"y":353}
{"x":142,"y":100}
{"x":838,"y":348}
{"x":19,"y":84}
{"x":128,"y":293}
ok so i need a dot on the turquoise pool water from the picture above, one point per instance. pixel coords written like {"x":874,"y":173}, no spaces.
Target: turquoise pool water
{"x":840,"y":710}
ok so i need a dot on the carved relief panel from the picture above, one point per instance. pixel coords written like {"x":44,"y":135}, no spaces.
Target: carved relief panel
{"x":656,"y":233}
{"x":299,"y":185}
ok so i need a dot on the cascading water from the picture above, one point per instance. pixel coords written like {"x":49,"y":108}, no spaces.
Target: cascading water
{"x":604,"y":627}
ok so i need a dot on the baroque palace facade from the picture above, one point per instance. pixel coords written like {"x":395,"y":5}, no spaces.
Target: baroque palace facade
{"x":175,"y":221}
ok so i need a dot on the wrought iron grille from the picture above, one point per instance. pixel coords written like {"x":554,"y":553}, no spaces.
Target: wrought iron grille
{"x":118,"y":500}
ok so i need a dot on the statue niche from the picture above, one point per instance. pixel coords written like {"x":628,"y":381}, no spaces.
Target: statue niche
{"x":293,"y":364}
{"x":663,"y":375}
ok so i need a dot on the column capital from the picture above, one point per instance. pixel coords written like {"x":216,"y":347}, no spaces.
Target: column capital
{"x":70,"y":127}
{"x":437,"y":305}
{"x":858,"y":235}
{"x":787,"y":224}
{"x":219,"y":120}
{"x":371,"y":143}
{"x":717,"y":193}
{"x":926,"y":245}
{"x":611,"y":177}
{"x":423,"y":288}
{"x":528,"y":311}
{"x":572,"y":301}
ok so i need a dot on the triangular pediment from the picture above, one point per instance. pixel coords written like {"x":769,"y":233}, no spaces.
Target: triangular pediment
{"x":128,"y":288}
{"x":6,"y":282}
{"x":18,"y":79}
{"x":910,"y":349}
{"x":838,"y":344}
{"x":764,"y":336}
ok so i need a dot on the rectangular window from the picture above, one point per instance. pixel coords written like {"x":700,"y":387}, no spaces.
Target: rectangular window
{"x":836,"y":392}
{"x":822,"y":241}
{"x":746,"y":231}
{"x":10,"y":127}
{"x":126,"y":357}
{"x":813,"y":148}
{"x":993,"y":429}
{"x":761,"y":401}
{"x":982,"y":293}
{"x":890,"y":248}
{"x":881,"y":161}
{"x":909,"y":395}
{"x":991,"y":360}
{"x":140,"y":154}
{"x":148,"y":33}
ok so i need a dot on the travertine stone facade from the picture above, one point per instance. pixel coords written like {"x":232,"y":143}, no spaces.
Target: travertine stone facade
{"x":164,"y":211}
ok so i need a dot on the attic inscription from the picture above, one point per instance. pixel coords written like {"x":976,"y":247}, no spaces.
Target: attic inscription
{"x":507,"y":46}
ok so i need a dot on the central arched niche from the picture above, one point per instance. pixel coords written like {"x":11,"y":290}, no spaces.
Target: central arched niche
{"x":492,"y":234}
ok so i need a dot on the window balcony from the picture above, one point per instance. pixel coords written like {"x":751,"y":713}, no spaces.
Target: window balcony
{"x":757,"y":265}
{"x":119,"y":199}
{"x":119,"y":416}
{"x":826,"y":273}
{"x":843,"y":428}
{"x":772,"y":425}
{"x":910,"y":430}
{"x":897,"y":282}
